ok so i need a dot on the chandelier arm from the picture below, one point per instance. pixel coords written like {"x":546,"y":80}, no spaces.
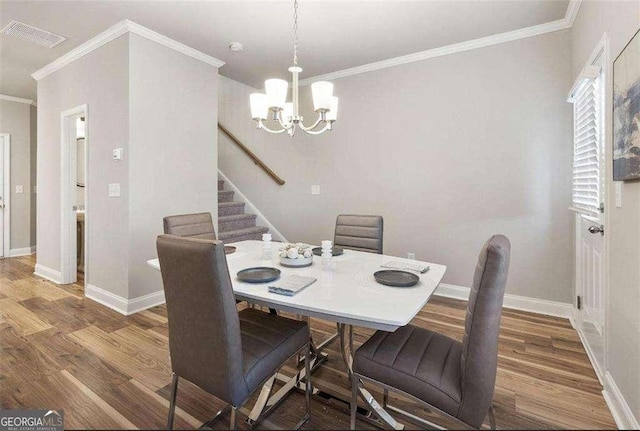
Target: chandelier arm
{"x":314,"y":125}
{"x":266,"y":129}
{"x":327,"y":127}
{"x":283,"y":125}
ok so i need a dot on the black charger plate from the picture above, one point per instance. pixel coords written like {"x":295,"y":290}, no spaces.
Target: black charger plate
{"x":393,"y":277}
{"x":336,"y":251}
{"x":259,"y":274}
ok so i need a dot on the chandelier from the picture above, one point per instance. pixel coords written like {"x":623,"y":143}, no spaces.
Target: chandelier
{"x":287,"y":114}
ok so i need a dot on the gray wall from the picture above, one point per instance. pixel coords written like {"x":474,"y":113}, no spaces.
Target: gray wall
{"x":174,"y":154}
{"x":100,"y":79}
{"x":17,"y":120}
{"x":620,"y":20}
{"x":160,"y":106}
{"x":449,"y":150}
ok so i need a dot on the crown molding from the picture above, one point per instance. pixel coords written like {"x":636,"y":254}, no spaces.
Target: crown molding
{"x":17,"y":99}
{"x":469,"y":45}
{"x":510,"y":36}
{"x":572,"y":11}
{"x":117,"y":30}
{"x":172,"y":44}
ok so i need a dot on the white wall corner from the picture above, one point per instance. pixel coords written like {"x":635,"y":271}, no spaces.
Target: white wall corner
{"x":48,"y":273}
{"x":122,"y":305}
{"x":261,"y":218}
{"x":112,"y":33}
{"x":620,"y":410}
{"x":523,"y":303}
{"x":22,"y":251}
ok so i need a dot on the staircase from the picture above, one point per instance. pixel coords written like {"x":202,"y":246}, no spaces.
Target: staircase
{"x":233,"y":224}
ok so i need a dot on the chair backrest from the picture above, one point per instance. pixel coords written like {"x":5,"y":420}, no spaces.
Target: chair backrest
{"x":359,"y":232}
{"x":479,"y":360}
{"x":204,"y":328}
{"x":198,"y":225}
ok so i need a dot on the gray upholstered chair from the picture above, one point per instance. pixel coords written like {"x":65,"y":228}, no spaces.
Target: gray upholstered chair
{"x":227,"y":353}
{"x":456,"y":379}
{"x":359,"y":232}
{"x":198,"y":225}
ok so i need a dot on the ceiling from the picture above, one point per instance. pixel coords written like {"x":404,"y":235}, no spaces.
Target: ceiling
{"x":334,"y":35}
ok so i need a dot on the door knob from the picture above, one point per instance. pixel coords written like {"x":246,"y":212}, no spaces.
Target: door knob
{"x":596,"y":229}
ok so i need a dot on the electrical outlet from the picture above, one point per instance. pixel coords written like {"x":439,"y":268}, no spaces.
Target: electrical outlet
{"x":19,"y":189}
{"x":411,"y":256}
{"x":35,"y":189}
{"x":315,"y":190}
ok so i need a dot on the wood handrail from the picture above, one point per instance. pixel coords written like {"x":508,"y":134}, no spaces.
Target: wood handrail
{"x":251,"y":155}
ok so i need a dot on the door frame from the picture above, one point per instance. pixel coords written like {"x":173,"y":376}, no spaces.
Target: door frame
{"x":68,"y":267}
{"x":6,"y":245}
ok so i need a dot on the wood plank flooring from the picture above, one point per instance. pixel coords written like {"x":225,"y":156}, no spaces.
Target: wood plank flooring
{"x":107,"y":371}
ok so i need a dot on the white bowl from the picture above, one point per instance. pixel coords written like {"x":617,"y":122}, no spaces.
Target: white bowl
{"x":296,"y":263}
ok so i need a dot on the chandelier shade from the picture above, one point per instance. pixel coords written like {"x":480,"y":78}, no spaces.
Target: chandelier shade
{"x":322,"y":93}
{"x":259,"y":106}
{"x":287,"y":114}
{"x":276,"y":92}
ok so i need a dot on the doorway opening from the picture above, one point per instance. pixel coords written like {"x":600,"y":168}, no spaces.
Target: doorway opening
{"x":74,"y":196}
{"x":5,"y":195}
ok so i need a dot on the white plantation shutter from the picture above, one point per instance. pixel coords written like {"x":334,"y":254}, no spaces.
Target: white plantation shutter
{"x":587,"y":142}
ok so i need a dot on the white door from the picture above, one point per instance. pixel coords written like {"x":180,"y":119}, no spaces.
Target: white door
{"x":588,"y":200}
{"x":590,"y":286}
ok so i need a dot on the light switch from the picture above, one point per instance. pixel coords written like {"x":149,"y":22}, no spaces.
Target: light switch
{"x":19,"y":189}
{"x":315,"y":190}
{"x":114,"y":190}
{"x":118,"y":153}
{"x":618,"y":193}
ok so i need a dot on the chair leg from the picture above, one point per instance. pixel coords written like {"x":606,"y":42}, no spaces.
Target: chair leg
{"x":232,"y":421}
{"x":492,"y":418}
{"x":172,"y":402}
{"x":385,"y":398}
{"x":354,"y":400}
{"x":307,"y":374}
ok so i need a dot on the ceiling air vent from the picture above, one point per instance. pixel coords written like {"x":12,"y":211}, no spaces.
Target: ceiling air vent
{"x":32,"y":34}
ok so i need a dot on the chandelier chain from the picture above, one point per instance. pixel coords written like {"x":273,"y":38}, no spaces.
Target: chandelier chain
{"x":295,"y":32}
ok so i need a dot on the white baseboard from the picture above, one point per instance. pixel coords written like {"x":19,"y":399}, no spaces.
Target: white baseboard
{"x":14,"y":252}
{"x":48,"y":273}
{"x":261,"y":218}
{"x":576,"y":324}
{"x":619,"y":407}
{"x":534,"y":305}
{"x":146,"y":301}
{"x":123,"y":305}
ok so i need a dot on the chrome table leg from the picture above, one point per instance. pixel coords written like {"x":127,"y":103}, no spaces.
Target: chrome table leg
{"x":346,"y":347}
{"x":267,"y":401}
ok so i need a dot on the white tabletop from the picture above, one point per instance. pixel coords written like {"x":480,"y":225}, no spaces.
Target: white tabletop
{"x":347,"y":294}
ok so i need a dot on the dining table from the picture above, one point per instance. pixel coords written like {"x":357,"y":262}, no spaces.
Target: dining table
{"x":346,"y":292}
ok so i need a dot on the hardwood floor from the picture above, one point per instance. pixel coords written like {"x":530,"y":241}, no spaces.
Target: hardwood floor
{"x":106,"y":371}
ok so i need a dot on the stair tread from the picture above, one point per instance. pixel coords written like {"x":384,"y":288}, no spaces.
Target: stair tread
{"x":230,"y":204}
{"x":243,"y":232}
{"x":235,"y":217}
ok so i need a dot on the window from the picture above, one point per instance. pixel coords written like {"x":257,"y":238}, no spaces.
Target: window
{"x":588,"y":152}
